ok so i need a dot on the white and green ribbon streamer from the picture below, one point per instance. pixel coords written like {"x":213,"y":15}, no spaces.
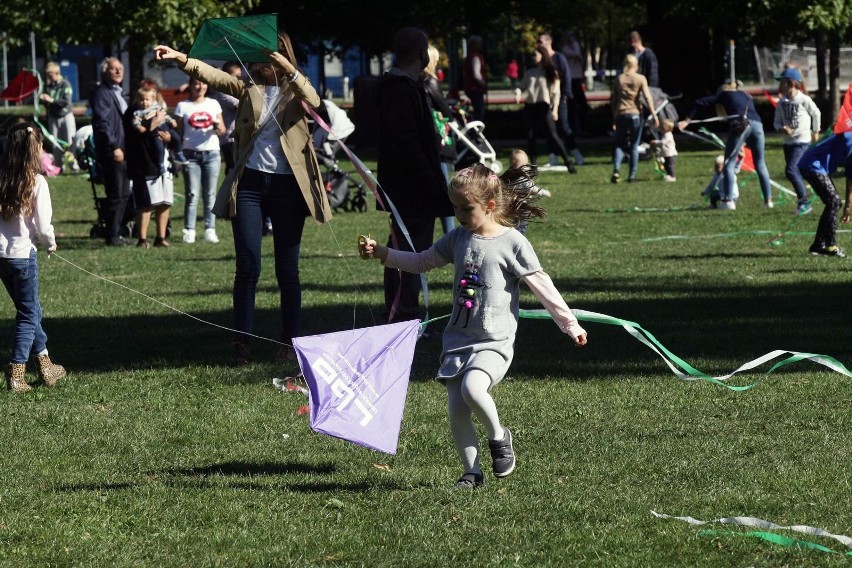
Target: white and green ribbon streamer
{"x":767,"y":525}
{"x":684,"y":370}
{"x":678,"y":366}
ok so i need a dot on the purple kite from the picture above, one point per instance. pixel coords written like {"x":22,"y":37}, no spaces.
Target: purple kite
{"x":358,"y":380}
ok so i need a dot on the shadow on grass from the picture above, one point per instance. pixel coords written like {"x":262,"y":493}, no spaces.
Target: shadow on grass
{"x":711,"y":324}
{"x":248,"y":469}
{"x":239,"y":475}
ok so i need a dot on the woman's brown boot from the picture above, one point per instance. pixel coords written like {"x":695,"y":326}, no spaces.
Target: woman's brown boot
{"x":15,"y":380}
{"x":49,"y":372}
{"x":242,"y":355}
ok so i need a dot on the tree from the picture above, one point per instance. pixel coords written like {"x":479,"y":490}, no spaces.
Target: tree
{"x":829,"y":18}
{"x":139,"y":25}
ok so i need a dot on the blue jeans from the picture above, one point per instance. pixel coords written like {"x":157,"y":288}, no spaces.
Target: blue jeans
{"x":792,"y":154}
{"x":20,"y":276}
{"x":754,"y":138}
{"x":201,"y":175}
{"x":279,"y":197}
{"x":628,"y":133}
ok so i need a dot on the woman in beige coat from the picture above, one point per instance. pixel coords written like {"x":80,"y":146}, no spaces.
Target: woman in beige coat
{"x":276,"y":175}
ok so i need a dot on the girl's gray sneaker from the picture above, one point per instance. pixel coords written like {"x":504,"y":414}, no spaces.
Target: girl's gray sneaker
{"x":470,"y":480}
{"x":502,"y":454}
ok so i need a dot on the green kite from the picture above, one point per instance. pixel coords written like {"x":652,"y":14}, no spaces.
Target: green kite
{"x":246,"y":38}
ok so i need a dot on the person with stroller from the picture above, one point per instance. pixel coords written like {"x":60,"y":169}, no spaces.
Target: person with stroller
{"x":57,"y":96}
{"x":646,"y":59}
{"x":442,"y":113}
{"x":540,"y":91}
{"x":108,"y":108}
{"x":627,"y":117}
{"x":153,"y":186}
{"x":744,"y":127}
{"x":275,"y":173}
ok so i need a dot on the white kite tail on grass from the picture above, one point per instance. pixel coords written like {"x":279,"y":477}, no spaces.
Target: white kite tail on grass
{"x":763,"y":524}
{"x":357,"y":382}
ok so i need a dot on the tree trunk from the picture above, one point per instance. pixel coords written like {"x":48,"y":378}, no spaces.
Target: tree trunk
{"x":136,"y":61}
{"x":834,"y":75}
{"x":822,"y":87}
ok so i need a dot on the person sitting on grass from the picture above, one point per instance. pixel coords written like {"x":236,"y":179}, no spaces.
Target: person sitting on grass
{"x":490,"y":258}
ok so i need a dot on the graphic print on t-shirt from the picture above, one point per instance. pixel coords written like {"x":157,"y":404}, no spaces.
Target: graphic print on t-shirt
{"x":200,"y":120}
{"x":468,"y":286}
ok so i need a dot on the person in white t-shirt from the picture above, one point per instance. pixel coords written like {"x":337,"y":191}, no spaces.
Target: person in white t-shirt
{"x":200,"y":126}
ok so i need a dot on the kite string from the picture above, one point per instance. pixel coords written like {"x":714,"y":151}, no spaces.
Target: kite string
{"x":165,"y":305}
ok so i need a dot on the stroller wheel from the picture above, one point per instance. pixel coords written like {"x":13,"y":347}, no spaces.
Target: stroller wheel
{"x":359,"y":203}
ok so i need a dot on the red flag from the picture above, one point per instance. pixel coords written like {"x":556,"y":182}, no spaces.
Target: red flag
{"x":748,"y":160}
{"x":844,"y":117}
{"x":22,"y":86}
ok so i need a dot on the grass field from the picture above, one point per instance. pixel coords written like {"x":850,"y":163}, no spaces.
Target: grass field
{"x":156,"y":452}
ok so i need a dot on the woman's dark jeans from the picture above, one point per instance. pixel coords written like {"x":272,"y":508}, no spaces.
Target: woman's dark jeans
{"x":278,"y":197}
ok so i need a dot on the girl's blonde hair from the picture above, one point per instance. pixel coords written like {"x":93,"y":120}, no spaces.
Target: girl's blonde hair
{"x":514,"y":193}
{"x":630,"y":62}
{"x":19,"y":167}
{"x":51,"y":66}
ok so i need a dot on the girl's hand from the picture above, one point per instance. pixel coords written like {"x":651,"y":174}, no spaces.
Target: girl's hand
{"x":683,"y":124}
{"x":581,"y":340}
{"x":370,"y":249}
{"x":555,"y":116}
{"x":846,"y":215}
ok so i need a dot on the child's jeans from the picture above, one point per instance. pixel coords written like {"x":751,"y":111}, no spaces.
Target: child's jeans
{"x":20,"y":276}
{"x":792,"y":154}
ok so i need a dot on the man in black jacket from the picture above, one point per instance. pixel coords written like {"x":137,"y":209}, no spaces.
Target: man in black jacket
{"x":409,"y":167}
{"x":108,"y":106}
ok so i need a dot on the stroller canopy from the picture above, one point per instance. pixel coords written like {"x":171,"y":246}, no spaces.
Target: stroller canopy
{"x":22,"y":87}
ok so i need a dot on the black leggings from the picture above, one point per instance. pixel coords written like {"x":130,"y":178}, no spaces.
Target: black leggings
{"x":539,"y":120}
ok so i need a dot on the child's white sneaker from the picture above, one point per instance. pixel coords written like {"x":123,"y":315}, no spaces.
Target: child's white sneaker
{"x":189,"y":236}
{"x":210,"y":236}
{"x":670,"y":178}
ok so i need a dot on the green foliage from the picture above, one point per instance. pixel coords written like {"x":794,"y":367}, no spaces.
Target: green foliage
{"x":155,"y":452}
{"x":106,"y":22}
{"x":827,"y":15}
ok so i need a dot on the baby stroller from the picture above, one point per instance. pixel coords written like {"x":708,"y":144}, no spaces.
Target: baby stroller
{"x":665,"y":109}
{"x":83,"y":147}
{"x":338,"y":183}
{"x":471,"y":145}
